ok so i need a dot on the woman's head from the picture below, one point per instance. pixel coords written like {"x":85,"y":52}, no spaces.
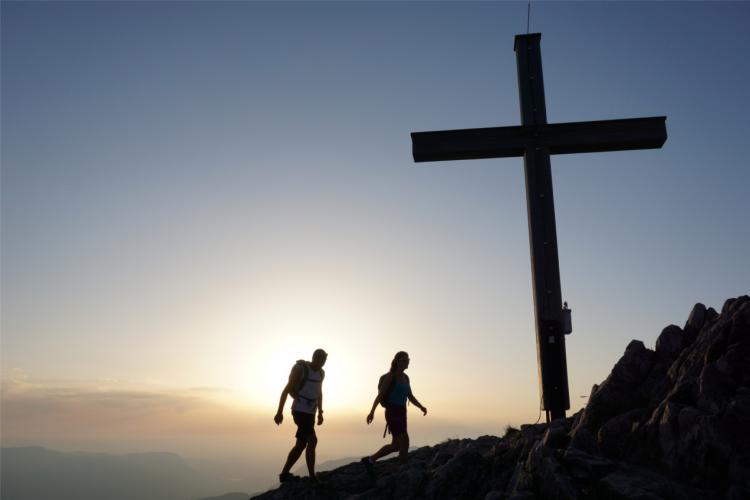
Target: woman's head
{"x":400,"y":361}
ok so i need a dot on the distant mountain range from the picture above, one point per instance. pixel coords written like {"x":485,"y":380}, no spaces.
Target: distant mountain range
{"x":36,"y":473}
{"x":229,"y":496}
{"x":301,"y":470}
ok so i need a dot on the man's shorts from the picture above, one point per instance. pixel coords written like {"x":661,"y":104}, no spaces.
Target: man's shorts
{"x":305,"y":424}
{"x":395,"y":416}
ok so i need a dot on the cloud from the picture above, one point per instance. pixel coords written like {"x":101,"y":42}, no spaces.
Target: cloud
{"x":38,"y":408}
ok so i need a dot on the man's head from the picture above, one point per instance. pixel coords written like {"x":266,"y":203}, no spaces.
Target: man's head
{"x":319,"y":358}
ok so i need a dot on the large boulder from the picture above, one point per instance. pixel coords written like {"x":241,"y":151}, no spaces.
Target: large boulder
{"x":623,"y":391}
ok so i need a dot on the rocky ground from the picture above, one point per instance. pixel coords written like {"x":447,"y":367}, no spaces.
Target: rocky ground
{"x":669,"y":423}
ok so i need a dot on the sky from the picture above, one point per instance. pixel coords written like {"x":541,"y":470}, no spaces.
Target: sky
{"x":195,"y":195}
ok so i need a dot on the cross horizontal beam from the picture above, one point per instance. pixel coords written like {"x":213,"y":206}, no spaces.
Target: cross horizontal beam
{"x":560,"y":138}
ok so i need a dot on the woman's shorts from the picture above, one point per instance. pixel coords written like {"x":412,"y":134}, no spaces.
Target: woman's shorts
{"x":395,"y":417}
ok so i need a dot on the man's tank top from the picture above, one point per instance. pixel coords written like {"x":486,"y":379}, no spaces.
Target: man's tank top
{"x":307,"y":400}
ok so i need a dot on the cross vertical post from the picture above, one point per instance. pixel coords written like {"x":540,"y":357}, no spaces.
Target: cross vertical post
{"x":545,"y":266}
{"x":535,"y":140}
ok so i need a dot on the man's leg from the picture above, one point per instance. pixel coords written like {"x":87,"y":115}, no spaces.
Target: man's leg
{"x":312,"y":442}
{"x":294,"y":454}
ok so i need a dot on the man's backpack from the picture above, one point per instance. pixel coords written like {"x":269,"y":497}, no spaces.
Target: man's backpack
{"x":305,"y":376}
{"x":388,"y":390}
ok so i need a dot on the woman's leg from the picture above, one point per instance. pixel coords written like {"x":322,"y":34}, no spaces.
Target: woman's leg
{"x":386,"y":450}
{"x":403,"y":448}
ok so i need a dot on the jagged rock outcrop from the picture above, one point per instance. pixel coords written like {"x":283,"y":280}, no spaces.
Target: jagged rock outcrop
{"x":671,"y":423}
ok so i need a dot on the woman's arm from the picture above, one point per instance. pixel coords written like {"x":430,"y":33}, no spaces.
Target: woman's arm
{"x":416,"y":403}
{"x":379,"y":397}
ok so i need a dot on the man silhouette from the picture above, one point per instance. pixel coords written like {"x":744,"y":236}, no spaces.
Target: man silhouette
{"x":305,"y":385}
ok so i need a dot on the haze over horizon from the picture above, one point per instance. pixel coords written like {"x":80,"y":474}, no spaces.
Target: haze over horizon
{"x":195,"y":195}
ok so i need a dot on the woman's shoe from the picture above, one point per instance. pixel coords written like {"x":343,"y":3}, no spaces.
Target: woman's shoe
{"x":368,"y":465}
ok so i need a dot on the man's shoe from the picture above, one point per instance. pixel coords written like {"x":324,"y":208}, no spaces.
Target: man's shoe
{"x":287,"y":477}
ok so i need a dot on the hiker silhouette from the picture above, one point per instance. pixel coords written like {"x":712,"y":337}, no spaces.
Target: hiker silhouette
{"x":305,"y":386}
{"x":394,"y":388}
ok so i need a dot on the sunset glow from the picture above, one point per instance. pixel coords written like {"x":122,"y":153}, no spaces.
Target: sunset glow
{"x":197,"y":194}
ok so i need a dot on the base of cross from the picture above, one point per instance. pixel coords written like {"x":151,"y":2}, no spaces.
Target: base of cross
{"x":555,"y":415}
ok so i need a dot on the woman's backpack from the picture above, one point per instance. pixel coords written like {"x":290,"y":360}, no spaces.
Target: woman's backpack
{"x":388,"y":390}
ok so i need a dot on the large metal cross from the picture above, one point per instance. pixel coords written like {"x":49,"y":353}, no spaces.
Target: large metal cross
{"x":535,"y":140}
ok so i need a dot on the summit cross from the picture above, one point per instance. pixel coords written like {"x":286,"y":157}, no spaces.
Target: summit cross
{"x":536,"y":140}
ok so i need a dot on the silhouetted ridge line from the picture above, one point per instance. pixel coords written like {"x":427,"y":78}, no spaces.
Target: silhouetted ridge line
{"x":669,"y":423}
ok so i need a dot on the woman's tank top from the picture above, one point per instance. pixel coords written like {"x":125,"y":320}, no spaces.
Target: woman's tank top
{"x":399,"y":393}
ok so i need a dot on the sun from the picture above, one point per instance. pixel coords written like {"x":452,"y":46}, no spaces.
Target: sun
{"x":284,"y":330}
{"x":264,"y":383}
{"x":266,"y":372}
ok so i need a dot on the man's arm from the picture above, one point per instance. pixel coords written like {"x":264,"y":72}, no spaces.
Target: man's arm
{"x":294,"y":378}
{"x":320,"y":401}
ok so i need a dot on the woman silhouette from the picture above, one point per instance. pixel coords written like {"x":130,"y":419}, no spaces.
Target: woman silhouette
{"x":394,"y":390}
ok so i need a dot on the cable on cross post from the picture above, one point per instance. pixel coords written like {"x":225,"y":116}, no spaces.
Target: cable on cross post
{"x":540,"y":409}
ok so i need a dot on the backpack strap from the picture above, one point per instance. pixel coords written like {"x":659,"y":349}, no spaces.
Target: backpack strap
{"x":389,"y":390}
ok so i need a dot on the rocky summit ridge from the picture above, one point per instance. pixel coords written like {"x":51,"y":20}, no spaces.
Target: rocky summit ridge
{"x":670,"y":423}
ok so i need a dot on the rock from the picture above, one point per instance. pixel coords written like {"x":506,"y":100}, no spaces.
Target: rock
{"x":630,"y":486}
{"x":520,"y":482}
{"x":715,"y":387}
{"x":524,"y":495}
{"x":733,"y":421}
{"x":584,"y":466}
{"x":667,"y":430}
{"x":731,"y":305}
{"x":458,"y":476}
{"x":695,"y":320}
{"x":739,"y":473}
{"x":669,"y":343}
{"x":582,"y":439}
{"x":553,"y":482}
{"x":737,"y":493}
{"x":556,"y":436}
{"x":711,"y":315}
{"x":727,"y":305}
{"x":440,"y":458}
{"x":614,"y":437}
{"x":672,"y":424}
{"x":622,"y":390}
{"x":409,"y":482}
